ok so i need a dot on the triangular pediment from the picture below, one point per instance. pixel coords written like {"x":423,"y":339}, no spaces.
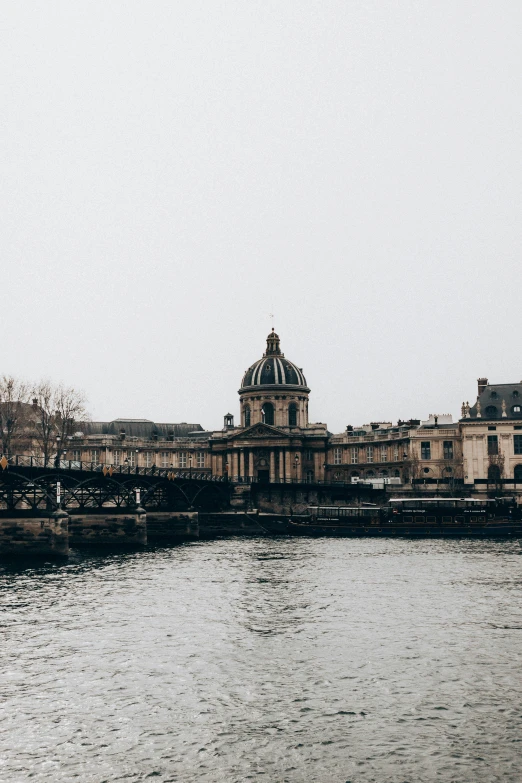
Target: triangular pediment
{"x":260,"y":431}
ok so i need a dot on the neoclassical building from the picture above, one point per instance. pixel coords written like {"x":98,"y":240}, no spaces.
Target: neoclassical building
{"x":491,"y":432}
{"x":274,"y":441}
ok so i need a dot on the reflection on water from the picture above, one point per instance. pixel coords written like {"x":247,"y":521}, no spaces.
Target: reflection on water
{"x":285,"y":660}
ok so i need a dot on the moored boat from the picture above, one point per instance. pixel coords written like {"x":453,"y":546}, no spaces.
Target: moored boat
{"x":415,"y":518}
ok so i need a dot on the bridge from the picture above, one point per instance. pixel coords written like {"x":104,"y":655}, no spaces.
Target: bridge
{"x":29,"y":485}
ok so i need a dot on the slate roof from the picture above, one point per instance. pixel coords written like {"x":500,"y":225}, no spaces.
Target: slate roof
{"x":139,"y":428}
{"x":491,"y":400}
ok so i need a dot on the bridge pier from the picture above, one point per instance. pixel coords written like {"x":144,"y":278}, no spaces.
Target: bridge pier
{"x":126,"y":530}
{"x":43,"y":536}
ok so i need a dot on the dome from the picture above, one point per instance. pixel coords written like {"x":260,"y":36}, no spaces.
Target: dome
{"x":273,"y":369}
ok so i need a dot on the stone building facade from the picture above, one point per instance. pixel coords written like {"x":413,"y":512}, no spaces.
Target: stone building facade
{"x":491,"y":432}
{"x":274,"y":440}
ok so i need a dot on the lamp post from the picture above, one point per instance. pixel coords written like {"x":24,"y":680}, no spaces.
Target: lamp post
{"x":296,"y":463}
{"x":57,"y":458}
{"x":190,"y":465}
{"x":127,"y":464}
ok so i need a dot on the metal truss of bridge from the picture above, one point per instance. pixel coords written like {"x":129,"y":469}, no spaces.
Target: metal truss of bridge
{"x":27,"y":486}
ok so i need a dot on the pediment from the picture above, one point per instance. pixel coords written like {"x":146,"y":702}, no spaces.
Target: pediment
{"x":260,"y":431}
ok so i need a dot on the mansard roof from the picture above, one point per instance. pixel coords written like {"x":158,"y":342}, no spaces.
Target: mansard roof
{"x":498,"y":401}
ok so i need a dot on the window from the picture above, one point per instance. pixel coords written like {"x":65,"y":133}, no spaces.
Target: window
{"x":491,"y":410}
{"x":292,"y":415}
{"x":425,"y":449}
{"x":517,"y":444}
{"x":309,"y":455}
{"x":149,"y":459}
{"x":354,"y":456}
{"x":200,"y":459}
{"x":448,"y":449}
{"x":267,"y":413}
{"x":131,"y":457}
{"x":384,"y":453}
{"x":494,"y":473}
{"x":517,"y":475}
{"x":493,"y":444}
{"x":492,"y":429}
{"x":116,"y":457}
{"x":247,"y":415}
{"x":516,"y":409}
{"x":77,"y":455}
{"x":182,"y":459}
{"x":337,"y":456}
{"x":309,"y":476}
{"x":164,"y":459}
{"x":395,"y":453}
{"x":369,"y":453}
{"x":94,"y":455}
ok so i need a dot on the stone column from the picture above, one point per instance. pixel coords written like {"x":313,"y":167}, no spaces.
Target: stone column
{"x":251,"y":463}
{"x":288,"y":466}
{"x":318,"y":466}
{"x":242,"y":463}
{"x":281,"y":464}
{"x":272,"y":466}
{"x":235,"y":464}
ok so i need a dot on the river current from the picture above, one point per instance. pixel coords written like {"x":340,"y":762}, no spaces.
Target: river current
{"x":279,"y":660}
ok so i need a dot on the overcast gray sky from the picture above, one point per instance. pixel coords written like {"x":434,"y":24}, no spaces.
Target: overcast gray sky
{"x":172,"y":172}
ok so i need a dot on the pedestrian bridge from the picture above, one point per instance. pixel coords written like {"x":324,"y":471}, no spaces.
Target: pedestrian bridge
{"x":28,"y":485}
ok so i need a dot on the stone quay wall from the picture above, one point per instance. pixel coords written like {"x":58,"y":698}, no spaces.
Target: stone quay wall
{"x":171,"y":527}
{"x":108,"y":529}
{"x":34,"y":536}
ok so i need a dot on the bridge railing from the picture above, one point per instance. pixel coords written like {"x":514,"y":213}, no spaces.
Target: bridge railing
{"x":29,"y":461}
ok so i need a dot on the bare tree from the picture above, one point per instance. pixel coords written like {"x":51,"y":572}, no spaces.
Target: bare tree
{"x":496,"y":465}
{"x":14,"y":398}
{"x":70,"y":408}
{"x":411,"y":465}
{"x":56,"y":411}
{"x":453,"y":467}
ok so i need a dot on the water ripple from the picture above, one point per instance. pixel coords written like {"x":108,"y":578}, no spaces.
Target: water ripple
{"x":283,"y":660}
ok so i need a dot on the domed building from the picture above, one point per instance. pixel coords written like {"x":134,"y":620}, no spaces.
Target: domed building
{"x":274,"y":390}
{"x":274,"y":441}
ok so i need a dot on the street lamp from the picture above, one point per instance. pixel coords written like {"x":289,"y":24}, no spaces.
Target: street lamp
{"x":58,"y":453}
{"x":296,"y":463}
{"x":190,"y":465}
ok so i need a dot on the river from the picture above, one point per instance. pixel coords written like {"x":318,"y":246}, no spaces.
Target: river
{"x":279,"y":660}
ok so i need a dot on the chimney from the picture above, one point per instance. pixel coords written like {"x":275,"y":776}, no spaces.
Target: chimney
{"x":482,"y":383}
{"x":35,"y":403}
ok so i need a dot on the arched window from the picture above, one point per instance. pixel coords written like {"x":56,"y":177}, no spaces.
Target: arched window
{"x":517,"y":475}
{"x":397,"y":473}
{"x":493,"y":473}
{"x":267,"y":412}
{"x":491,"y":410}
{"x":292,"y":415}
{"x":247,"y":415}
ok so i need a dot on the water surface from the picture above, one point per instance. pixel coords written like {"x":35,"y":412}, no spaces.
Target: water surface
{"x":283,"y":660}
